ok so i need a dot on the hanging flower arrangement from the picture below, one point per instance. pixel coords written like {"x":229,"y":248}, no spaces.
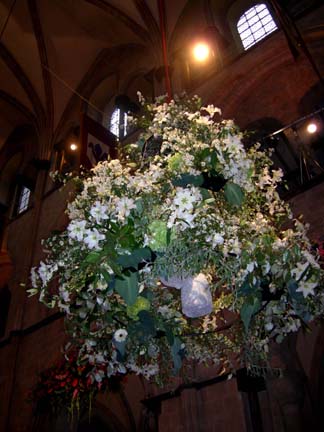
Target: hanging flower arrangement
{"x":175,"y":252}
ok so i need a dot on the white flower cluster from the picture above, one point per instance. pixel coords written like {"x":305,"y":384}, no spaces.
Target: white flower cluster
{"x":183,"y":208}
{"x":203,"y":206}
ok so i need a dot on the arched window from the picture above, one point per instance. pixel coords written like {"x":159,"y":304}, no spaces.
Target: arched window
{"x":24,"y":198}
{"x":255,"y":24}
{"x":25,"y":185}
{"x":118,"y":123}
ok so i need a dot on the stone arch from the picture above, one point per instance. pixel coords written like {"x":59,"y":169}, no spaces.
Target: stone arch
{"x":24,"y":138}
{"x":102,"y":419}
{"x":7,"y":178}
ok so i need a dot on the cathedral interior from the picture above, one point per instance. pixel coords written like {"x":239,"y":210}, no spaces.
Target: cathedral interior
{"x":63,"y":59}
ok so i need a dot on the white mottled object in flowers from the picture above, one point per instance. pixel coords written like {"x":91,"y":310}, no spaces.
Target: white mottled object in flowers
{"x":196,"y":297}
{"x":120,"y":335}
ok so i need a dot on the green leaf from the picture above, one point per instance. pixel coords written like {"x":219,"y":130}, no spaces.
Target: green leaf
{"x":126,"y":238}
{"x":169,"y":335}
{"x":137,"y":330}
{"x":205,"y":194}
{"x":136,"y":257}
{"x":188,"y":179}
{"x":246,"y":289}
{"x":108,"y":318}
{"x":93,"y":257}
{"x":139,"y":205}
{"x":158,"y":235}
{"x":141,"y":143}
{"x":214,"y":160}
{"x":120,"y":346}
{"x":106,"y":275}
{"x":249,"y":308}
{"x":234,"y":194}
{"x":292,"y":286}
{"x":111,"y":285}
{"x":127,"y":287}
{"x":147,"y":322}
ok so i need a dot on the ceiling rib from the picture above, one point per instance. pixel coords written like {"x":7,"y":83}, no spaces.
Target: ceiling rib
{"x":11,"y":100}
{"x":38,"y":31}
{"x":149,"y":21}
{"x":24,"y":81}
{"x":124,"y":18}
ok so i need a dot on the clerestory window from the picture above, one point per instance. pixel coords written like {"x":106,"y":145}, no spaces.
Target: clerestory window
{"x":255,"y":24}
{"x":23,"y":200}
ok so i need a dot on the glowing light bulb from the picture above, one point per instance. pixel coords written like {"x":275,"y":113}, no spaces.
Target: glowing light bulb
{"x":73,"y":147}
{"x":311,"y":128}
{"x":201,"y":51}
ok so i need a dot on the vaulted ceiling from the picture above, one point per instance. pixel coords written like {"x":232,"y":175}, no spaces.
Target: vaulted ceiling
{"x":48,"y":47}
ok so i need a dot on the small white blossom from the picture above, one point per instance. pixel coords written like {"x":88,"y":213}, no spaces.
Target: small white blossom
{"x":186,"y":198}
{"x":123,"y":207}
{"x":306,"y":287}
{"x":93,"y":238}
{"x":99,"y":212}
{"x":46,"y":271}
{"x":76,"y":229}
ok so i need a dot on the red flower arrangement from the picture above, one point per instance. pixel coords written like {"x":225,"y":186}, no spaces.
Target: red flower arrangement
{"x":321,"y":250}
{"x":318,"y":247}
{"x":69,"y":384}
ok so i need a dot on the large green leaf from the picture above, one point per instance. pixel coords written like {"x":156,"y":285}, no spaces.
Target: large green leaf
{"x":136,"y":257}
{"x":147,"y":322}
{"x":188,"y":179}
{"x":169,"y":335}
{"x":233,"y":193}
{"x":249,"y":308}
{"x":127,"y":287}
{"x":294,"y":294}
